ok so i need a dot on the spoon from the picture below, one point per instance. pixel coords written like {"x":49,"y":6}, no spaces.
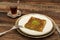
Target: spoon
{"x":14,"y":27}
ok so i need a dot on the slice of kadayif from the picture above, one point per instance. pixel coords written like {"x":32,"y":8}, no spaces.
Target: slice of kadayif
{"x":35,"y":24}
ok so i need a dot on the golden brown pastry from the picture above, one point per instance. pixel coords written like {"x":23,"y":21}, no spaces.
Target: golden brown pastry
{"x":35,"y":24}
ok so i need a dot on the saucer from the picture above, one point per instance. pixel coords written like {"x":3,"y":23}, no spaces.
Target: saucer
{"x":48,"y":30}
{"x":14,"y":15}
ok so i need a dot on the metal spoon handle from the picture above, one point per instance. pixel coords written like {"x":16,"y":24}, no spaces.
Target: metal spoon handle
{"x":56,"y":26}
{"x":14,"y":27}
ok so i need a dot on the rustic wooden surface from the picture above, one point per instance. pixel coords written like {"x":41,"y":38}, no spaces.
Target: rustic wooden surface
{"x":54,"y":1}
{"x":50,"y":9}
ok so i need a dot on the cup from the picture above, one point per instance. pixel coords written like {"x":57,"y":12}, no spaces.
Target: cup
{"x":13,"y":10}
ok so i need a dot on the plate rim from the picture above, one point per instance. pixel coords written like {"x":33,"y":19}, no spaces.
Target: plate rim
{"x":42,"y":36}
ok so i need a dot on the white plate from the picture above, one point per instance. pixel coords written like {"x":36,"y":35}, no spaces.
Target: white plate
{"x":48,"y":30}
{"x":24,"y":19}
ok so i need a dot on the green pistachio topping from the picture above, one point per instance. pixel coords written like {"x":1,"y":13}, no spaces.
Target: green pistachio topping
{"x":35,"y":22}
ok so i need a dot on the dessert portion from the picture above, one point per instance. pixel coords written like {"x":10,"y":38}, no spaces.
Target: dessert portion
{"x":35,"y":24}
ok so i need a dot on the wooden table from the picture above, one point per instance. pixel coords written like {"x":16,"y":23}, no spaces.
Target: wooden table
{"x":50,"y":9}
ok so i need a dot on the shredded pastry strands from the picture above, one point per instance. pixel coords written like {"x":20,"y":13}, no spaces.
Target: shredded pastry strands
{"x":35,"y":24}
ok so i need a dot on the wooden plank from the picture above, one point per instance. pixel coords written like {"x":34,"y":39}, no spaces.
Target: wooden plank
{"x":32,"y":6}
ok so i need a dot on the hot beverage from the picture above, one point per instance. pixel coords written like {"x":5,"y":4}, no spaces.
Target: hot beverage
{"x":13,"y":9}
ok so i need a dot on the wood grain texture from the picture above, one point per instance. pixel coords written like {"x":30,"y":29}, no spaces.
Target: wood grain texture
{"x":55,"y":1}
{"x":50,"y":9}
